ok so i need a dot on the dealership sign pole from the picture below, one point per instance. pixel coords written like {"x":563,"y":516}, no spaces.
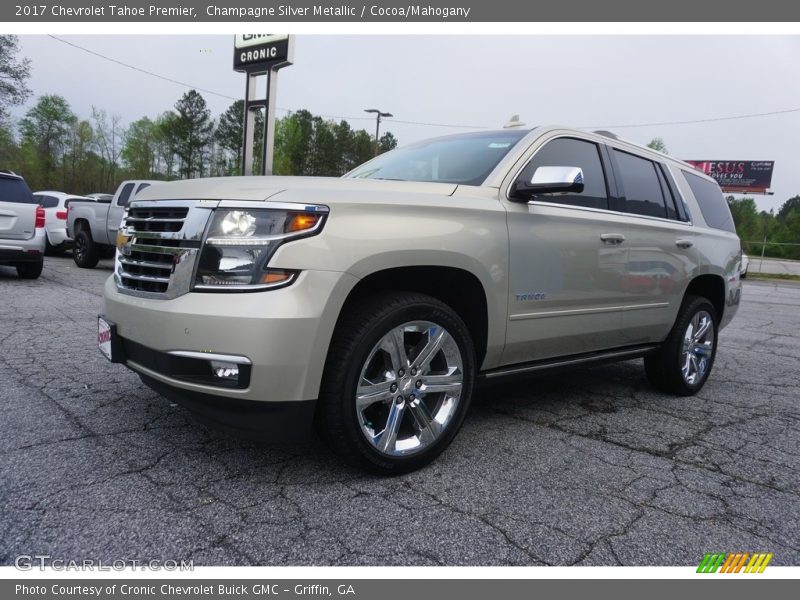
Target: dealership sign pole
{"x":260,"y":55}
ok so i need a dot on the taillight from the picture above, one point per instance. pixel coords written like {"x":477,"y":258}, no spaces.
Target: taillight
{"x":61,"y":214}
{"x":39,"y":217}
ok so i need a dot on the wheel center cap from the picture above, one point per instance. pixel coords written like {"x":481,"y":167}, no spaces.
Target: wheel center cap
{"x":406,"y":385}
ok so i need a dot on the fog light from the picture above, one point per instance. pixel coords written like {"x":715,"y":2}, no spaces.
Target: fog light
{"x":225,"y":370}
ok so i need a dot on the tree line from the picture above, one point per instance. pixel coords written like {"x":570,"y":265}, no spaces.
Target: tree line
{"x":781,"y":230}
{"x":54,"y":148}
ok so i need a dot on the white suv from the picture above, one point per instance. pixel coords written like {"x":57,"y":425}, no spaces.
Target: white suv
{"x":55,"y":206}
{"x":372,"y":304}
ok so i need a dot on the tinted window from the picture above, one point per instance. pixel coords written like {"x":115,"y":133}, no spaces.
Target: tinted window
{"x":15,"y":190}
{"x":712,"y":203}
{"x":48,"y":201}
{"x":666,"y":190}
{"x":640,"y":182}
{"x":568,"y":152}
{"x":142,"y":186}
{"x":125,"y":195}
{"x":466,"y":159}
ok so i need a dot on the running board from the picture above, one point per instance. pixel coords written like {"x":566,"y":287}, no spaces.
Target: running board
{"x":575,"y":359}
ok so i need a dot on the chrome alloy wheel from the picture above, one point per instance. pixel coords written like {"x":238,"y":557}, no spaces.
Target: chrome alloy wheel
{"x":698,"y":347}
{"x":409,"y":388}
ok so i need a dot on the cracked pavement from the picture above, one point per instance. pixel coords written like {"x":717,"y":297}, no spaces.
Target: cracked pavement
{"x":594,"y":468}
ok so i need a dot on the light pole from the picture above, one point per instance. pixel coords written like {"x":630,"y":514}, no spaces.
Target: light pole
{"x":378,"y":115}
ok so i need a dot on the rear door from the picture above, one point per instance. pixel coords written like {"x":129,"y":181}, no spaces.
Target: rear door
{"x":567,"y":261}
{"x":17,"y":209}
{"x":662,"y":256}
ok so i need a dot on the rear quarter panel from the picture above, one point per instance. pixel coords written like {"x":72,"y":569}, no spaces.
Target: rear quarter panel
{"x":718,"y":251}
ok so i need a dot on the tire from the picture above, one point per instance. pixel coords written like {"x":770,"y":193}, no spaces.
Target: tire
{"x":85,"y":252}
{"x":681,"y":367}
{"x":30,"y":270}
{"x":51,"y":250}
{"x":436,"y":343}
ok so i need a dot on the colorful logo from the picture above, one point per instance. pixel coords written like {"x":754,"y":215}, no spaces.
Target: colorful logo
{"x":734,"y":562}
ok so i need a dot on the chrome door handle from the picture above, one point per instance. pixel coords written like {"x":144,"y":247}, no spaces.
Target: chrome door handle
{"x":684,"y":243}
{"x":612,"y":238}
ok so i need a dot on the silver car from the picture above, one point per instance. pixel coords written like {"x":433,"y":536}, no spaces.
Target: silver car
{"x":22,"y":227}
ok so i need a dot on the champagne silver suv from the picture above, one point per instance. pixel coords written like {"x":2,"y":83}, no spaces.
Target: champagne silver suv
{"x":371,"y":305}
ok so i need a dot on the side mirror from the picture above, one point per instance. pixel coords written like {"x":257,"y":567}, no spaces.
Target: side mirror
{"x":549,"y":180}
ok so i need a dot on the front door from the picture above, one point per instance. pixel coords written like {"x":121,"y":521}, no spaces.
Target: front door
{"x":568,"y":256}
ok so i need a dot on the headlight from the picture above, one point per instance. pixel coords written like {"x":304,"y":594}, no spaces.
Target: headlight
{"x":240,"y":242}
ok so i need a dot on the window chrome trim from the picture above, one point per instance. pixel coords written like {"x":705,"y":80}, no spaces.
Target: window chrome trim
{"x":579,"y":136}
{"x":606,"y":212}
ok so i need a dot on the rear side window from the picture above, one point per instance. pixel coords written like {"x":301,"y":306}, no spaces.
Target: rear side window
{"x":48,"y":201}
{"x":125,"y":194}
{"x":712,"y":203}
{"x":15,"y":190}
{"x":642,"y":185}
{"x":570,"y":152}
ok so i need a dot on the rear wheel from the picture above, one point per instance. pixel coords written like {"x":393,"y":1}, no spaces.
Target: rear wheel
{"x":85,"y":252}
{"x":683,"y":363}
{"x":30,"y":270}
{"x":398,"y":382}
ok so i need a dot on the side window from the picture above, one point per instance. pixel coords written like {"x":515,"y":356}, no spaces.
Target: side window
{"x":570,"y":152}
{"x":672,"y":206}
{"x":125,"y":194}
{"x":641,"y":184}
{"x":712,"y":203}
{"x":48,"y":201}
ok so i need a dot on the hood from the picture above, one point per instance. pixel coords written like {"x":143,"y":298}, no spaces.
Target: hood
{"x":290,"y":189}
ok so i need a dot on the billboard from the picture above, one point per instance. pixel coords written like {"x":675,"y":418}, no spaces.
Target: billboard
{"x":738,"y":176}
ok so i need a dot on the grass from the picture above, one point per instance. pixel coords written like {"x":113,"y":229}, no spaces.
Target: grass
{"x":781,"y":276}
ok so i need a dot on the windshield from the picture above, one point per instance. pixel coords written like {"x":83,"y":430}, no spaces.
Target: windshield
{"x":464,"y":159}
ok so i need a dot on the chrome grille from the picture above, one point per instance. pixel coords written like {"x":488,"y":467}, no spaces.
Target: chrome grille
{"x":157,"y":247}
{"x":157,"y":219}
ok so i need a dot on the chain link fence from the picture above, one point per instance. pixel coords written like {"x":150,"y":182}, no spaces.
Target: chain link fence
{"x":765,"y":257}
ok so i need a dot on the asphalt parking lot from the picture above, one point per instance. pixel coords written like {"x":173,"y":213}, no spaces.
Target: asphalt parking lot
{"x":593,"y":468}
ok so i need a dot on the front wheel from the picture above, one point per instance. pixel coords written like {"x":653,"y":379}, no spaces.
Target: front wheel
{"x":683,"y":363}
{"x":398,"y":382}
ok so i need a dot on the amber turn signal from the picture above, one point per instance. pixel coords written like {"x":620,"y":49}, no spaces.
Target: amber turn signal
{"x":273,"y":276}
{"x":301,"y":222}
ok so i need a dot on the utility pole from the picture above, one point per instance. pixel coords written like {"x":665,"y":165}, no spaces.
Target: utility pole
{"x":378,"y":115}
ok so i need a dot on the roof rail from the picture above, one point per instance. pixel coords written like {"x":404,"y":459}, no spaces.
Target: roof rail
{"x":607,"y":134}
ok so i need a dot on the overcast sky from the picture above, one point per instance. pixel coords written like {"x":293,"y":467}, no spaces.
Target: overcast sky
{"x":473,"y":80}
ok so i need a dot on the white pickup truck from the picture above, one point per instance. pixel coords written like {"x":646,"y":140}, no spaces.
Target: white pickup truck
{"x":93,"y":225}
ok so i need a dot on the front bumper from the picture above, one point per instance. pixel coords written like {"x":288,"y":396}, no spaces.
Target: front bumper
{"x":284,"y":333}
